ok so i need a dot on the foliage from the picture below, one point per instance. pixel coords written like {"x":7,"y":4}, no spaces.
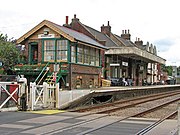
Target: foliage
{"x":9,"y":54}
{"x":1,"y":71}
{"x":167,"y":69}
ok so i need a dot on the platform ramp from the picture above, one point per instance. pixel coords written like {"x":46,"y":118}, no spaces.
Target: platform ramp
{"x":67,"y":98}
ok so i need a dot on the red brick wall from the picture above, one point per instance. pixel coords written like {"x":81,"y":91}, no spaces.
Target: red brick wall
{"x":26,"y":53}
{"x":86,"y":74}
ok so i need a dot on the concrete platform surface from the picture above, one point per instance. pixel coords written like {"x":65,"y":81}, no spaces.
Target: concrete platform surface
{"x":72,"y":123}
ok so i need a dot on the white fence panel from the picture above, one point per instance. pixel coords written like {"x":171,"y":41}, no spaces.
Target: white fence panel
{"x":9,"y":96}
{"x":65,"y":97}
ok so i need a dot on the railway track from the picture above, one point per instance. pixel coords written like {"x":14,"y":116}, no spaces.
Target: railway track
{"x":112,"y":107}
{"x":75,"y":127}
{"x":147,"y":129}
{"x":96,"y":119}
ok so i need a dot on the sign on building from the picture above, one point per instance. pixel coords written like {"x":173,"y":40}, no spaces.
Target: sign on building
{"x":124,"y":63}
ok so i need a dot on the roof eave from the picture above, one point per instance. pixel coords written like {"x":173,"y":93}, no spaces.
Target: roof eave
{"x":137,"y":52}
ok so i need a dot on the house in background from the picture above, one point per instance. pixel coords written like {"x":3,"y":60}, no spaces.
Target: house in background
{"x":70,"y":58}
{"x":123,"y":57}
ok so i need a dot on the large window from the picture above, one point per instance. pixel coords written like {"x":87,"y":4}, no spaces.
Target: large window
{"x":55,"y":50}
{"x":49,"y":50}
{"x":88,"y":55}
{"x":62,"y":50}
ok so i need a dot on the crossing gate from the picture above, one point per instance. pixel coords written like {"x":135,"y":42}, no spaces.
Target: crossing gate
{"x":9,"y":95}
{"x":43,"y":96}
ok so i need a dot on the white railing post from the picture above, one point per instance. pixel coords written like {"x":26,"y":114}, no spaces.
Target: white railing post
{"x":32,"y":95}
{"x":45,"y":94}
{"x":57,"y":95}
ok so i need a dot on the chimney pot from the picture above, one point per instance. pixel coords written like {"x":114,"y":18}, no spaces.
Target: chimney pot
{"x":138,"y":39}
{"x":122,"y":31}
{"x":67,"y":18}
{"x":108,"y":23}
{"x":125,"y":32}
{"x":74,"y":15}
{"x":128,"y":31}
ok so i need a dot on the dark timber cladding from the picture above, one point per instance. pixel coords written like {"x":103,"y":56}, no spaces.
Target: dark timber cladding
{"x":75,"y":57}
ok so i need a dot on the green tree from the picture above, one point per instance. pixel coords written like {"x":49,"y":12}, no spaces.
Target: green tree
{"x":9,"y":54}
{"x":167,"y":69}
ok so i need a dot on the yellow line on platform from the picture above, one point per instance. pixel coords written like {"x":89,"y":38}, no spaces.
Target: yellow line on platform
{"x":47,"y":111}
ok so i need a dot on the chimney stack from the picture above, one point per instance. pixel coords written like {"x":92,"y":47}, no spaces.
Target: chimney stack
{"x":138,"y":42}
{"x":126,"y":35}
{"x":75,"y":19}
{"x":66,"y":22}
{"x":106,"y":29}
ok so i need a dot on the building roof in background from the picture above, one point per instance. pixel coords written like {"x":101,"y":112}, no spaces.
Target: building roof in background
{"x":102,"y":37}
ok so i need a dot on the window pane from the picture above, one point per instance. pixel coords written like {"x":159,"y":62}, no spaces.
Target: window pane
{"x":97,"y":57}
{"x":62,"y":49}
{"x":86,"y":55}
{"x":80,"y":54}
{"x":49,"y":50}
{"x":73,"y":54}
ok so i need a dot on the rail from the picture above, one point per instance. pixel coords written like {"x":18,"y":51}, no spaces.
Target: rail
{"x":129,"y":104}
{"x":145,"y":130}
{"x":75,"y":127}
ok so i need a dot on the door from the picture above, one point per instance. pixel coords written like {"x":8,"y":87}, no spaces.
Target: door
{"x":33,"y":53}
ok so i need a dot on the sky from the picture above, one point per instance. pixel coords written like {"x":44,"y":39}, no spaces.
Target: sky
{"x":153,"y":21}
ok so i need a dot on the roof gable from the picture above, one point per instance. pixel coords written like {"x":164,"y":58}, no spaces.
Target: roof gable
{"x":41,"y":25}
{"x":67,"y":33}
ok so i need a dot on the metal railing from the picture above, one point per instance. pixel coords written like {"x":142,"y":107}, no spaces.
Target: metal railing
{"x":45,"y":68}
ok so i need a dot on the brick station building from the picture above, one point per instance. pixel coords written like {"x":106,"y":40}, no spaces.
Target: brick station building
{"x":80,"y":55}
{"x":123,"y":57}
{"x":73,"y":58}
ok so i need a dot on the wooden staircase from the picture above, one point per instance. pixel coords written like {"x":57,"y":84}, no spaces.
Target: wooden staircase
{"x":54,"y":77}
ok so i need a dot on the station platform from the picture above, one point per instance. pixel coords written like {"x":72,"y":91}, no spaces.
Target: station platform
{"x":78,"y":97}
{"x":109,"y":89}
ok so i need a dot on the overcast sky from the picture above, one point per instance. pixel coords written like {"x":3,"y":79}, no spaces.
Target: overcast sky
{"x":155,"y":21}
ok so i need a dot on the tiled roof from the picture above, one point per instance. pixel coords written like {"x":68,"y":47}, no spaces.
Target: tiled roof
{"x":127,"y":43}
{"x":79,"y":36}
{"x":68,"y":33}
{"x":102,"y":37}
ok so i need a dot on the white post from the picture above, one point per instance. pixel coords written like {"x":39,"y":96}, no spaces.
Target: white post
{"x":32,"y":94}
{"x":45,"y":94}
{"x":179,"y":118}
{"x":57,"y":95}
